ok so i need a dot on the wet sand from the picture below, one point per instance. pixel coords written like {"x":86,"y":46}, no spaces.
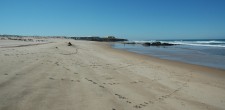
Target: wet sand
{"x":93,"y":76}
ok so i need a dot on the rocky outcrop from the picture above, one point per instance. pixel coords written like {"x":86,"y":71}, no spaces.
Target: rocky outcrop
{"x":157,"y":44}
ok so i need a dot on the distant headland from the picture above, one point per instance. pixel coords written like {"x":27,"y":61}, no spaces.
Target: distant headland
{"x":92,"y":38}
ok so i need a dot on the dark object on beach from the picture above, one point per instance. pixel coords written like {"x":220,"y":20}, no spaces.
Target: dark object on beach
{"x":69,"y":44}
{"x":157,"y":44}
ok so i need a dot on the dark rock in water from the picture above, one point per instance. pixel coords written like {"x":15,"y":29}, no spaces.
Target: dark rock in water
{"x":157,"y":44}
{"x":147,"y":44}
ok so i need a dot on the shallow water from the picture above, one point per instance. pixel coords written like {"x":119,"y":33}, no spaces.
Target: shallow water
{"x":211,"y":56}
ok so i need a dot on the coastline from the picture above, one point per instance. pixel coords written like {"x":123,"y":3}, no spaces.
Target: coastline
{"x":93,"y":75}
{"x":174,"y":63}
{"x":212,"y":56}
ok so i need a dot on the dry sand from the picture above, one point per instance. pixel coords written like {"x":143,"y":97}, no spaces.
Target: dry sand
{"x":93,"y":76}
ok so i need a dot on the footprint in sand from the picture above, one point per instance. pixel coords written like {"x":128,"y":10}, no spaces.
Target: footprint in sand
{"x":51,"y":78}
{"x":101,"y":86}
{"x":137,"y":106}
{"x":112,"y":83}
{"x":120,"y":96}
{"x":128,"y":102}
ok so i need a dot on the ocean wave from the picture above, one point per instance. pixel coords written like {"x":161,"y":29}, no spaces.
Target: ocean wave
{"x":211,"y":43}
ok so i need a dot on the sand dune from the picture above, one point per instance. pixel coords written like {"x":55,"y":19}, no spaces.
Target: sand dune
{"x":93,"y":76}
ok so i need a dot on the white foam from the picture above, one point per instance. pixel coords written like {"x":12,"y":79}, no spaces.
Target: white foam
{"x":199,"y":43}
{"x":211,"y":43}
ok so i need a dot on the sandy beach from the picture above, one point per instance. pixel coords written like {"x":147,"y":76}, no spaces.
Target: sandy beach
{"x":93,"y":76}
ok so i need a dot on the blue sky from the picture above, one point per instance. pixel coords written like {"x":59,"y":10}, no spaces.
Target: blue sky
{"x":132,"y":19}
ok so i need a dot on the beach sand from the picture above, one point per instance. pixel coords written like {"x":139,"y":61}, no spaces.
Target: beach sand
{"x":93,"y":76}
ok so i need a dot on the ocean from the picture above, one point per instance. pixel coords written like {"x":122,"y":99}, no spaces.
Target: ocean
{"x":205,"y":52}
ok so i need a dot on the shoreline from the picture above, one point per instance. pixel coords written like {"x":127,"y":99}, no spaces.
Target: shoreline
{"x":183,"y":65}
{"x":171,"y":58}
{"x":166,"y":60}
{"x":93,"y":75}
